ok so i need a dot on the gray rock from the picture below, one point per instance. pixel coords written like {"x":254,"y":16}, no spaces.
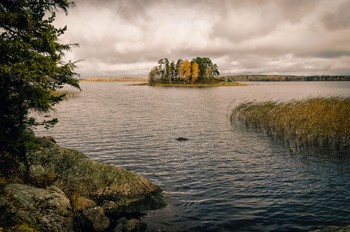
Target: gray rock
{"x":96,"y":191}
{"x":39,"y":209}
{"x":97,"y":218}
{"x":74,"y":173}
{"x":36,"y":171}
{"x":50,"y":138}
{"x":84,"y":203}
{"x":109,"y":207}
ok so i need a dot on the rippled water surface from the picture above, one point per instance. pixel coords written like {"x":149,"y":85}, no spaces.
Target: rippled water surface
{"x":223,"y":178}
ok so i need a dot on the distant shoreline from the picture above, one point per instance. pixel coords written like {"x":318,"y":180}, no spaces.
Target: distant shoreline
{"x":228,"y":80}
{"x":277,"y":78}
{"x":144,"y":82}
{"x":115,"y":79}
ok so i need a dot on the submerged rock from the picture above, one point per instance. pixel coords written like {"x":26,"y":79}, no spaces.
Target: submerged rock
{"x":182,"y":139}
{"x":133,"y":225}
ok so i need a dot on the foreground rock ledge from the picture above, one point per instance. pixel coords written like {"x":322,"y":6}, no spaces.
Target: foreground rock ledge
{"x":71,"y":191}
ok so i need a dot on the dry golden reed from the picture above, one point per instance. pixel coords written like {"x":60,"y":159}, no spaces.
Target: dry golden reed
{"x":68,"y":94}
{"x":314,"y":122}
{"x":115,"y":79}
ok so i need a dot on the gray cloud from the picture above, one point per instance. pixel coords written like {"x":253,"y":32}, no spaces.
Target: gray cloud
{"x":333,"y":54}
{"x":128,"y":37}
{"x":338,"y":18}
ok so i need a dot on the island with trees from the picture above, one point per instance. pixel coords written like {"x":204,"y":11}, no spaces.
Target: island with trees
{"x":200,"y":71}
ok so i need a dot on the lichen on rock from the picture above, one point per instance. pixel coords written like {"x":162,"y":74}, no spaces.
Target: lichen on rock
{"x":44,"y":209}
{"x":75,"y":173}
{"x":71,"y":192}
{"x":97,"y":218}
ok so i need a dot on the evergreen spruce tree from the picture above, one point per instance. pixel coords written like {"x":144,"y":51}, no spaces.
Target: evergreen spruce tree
{"x":31,"y":67}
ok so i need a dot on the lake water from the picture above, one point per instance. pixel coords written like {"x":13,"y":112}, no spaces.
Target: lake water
{"x":223,"y":178}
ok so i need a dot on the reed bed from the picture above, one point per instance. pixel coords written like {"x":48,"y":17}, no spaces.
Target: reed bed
{"x":322,"y":123}
{"x":67,"y":93}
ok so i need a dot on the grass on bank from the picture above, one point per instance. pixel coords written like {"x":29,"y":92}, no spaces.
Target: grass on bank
{"x":114,"y":79}
{"x":311,"y":123}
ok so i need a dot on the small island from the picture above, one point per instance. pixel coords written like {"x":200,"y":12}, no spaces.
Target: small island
{"x":199,"y":72}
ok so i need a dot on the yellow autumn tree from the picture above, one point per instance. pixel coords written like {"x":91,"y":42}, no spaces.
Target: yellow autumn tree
{"x":186,"y":70}
{"x":195,"y":72}
{"x":179,"y":69}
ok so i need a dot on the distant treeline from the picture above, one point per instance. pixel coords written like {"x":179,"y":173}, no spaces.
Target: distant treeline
{"x":285,"y":78}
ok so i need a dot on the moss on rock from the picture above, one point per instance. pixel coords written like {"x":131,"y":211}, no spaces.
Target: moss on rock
{"x":71,"y":192}
{"x":24,"y":206}
{"x":75,"y":173}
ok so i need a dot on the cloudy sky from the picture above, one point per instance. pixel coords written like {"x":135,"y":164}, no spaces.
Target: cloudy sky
{"x":126,"y":38}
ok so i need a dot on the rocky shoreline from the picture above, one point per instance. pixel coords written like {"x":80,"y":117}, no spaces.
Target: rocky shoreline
{"x":66,"y":191}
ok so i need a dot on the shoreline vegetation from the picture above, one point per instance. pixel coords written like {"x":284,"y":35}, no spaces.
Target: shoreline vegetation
{"x":115,"y":79}
{"x":66,"y":93}
{"x":262,"y":77}
{"x":140,"y":81}
{"x":314,"y":124}
{"x":234,"y":80}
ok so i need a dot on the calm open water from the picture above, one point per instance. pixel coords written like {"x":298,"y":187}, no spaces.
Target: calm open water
{"x":223,"y":178}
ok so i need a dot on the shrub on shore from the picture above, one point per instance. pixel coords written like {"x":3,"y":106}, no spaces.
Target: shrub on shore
{"x":311,"y":123}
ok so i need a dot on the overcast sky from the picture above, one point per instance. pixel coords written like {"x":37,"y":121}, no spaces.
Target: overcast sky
{"x":120,"y":38}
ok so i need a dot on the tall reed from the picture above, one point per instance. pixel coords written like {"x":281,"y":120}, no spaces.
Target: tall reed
{"x":67,"y":93}
{"x":312,"y":123}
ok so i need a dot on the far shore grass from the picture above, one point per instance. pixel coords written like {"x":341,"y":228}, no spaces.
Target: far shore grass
{"x":321,"y":123}
{"x":115,"y":79}
{"x":68,"y":93}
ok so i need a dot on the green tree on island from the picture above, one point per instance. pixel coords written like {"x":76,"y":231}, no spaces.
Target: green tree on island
{"x":199,"y":70}
{"x":31,"y":68}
